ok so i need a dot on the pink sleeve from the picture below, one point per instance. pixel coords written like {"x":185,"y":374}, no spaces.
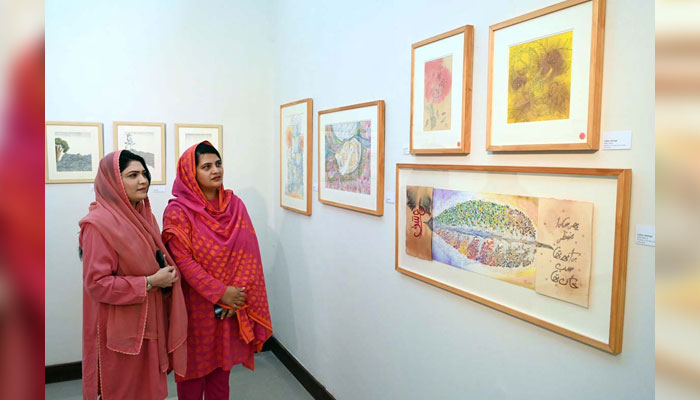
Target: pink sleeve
{"x":206,"y":285}
{"x":99,"y":269}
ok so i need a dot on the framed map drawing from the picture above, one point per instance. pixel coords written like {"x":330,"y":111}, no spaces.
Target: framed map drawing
{"x":296,"y":143}
{"x":73,"y":151}
{"x":187,"y":135}
{"x":545,"y":79}
{"x":146,"y":139}
{"x":351,"y":157}
{"x":546,"y":245}
{"x":441,"y":93}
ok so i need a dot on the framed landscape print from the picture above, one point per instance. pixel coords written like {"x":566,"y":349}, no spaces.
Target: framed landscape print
{"x":146,"y":139}
{"x":546,"y":245}
{"x":187,"y":135}
{"x":73,"y":151}
{"x":441,"y":93}
{"x":545,"y":79}
{"x":296,"y":143}
{"x":351,"y":157}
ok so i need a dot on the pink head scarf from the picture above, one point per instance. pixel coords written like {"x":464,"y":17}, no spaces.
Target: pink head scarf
{"x":224,"y":243}
{"x":135,"y":237}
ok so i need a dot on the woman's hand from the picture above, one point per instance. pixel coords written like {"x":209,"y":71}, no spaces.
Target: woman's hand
{"x":228,"y":313}
{"x":234,"y":297}
{"x":165,"y":277}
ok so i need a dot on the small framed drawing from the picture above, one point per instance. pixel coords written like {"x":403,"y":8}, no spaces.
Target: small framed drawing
{"x":187,"y":135}
{"x":351,"y":157}
{"x":146,"y":139}
{"x":545,"y":76}
{"x":296,"y":143}
{"x":441,"y":93}
{"x":546,"y":245}
{"x":73,"y":151}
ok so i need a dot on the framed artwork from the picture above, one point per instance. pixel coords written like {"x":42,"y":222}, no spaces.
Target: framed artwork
{"x":146,"y":139}
{"x":187,"y":135}
{"x":296,"y":143}
{"x":546,"y":245}
{"x":545,"y":79}
{"x":73,"y":151}
{"x":441,"y":93}
{"x":351,"y":157}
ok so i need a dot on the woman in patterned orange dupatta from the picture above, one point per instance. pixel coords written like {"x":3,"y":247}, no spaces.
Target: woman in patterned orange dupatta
{"x":209,"y":233}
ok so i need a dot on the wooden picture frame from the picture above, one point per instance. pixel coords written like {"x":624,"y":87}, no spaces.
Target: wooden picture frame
{"x":147,"y":139}
{"x":545,"y":79}
{"x":441,"y":123}
{"x":296,"y":146}
{"x":351,"y":167}
{"x":600,"y":323}
{"x":187,"y":135}
{"x":72,"y":151}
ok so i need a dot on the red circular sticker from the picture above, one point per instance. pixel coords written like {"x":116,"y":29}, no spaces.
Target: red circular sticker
{"x":459,"y":144}
{"x":582,"y":135}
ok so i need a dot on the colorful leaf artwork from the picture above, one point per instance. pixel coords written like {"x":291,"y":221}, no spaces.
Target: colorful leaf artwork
{"x":540,"y":244}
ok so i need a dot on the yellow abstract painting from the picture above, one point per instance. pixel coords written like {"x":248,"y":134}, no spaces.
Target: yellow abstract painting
{"x":539,"y":79}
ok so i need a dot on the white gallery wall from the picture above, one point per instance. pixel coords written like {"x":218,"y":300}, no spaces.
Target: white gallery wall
{"x":367,"y":331}
{"x":361,"y":328}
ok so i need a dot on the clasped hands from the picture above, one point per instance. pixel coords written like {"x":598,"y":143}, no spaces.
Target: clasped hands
{"x":233,"y":297}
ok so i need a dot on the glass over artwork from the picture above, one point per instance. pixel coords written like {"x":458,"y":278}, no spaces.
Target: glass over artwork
{"x":541,"y":244}
{"x":348,"y":156}
{"x":539,"y":79}
{"x":294,"y":148}
{"x":437,"y":104}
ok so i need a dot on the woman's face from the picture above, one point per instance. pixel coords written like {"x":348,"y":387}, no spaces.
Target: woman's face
{"x":135,"y":182}
{"x":210,"y":172}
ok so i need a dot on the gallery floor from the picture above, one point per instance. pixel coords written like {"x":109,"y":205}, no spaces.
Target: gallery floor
{"x":270,"y":380}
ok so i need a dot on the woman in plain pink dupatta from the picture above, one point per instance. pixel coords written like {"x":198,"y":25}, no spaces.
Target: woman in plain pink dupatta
{"x":210,"y":235}
{"x":134,"y":333}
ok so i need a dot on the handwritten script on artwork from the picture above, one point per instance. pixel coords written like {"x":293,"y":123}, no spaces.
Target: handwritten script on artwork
{"x":418,"y":221}
{"x":419,"y":210}
{"x":564,"y":270}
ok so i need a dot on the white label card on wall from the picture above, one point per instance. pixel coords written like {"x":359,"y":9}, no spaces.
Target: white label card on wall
{"x":646,"y":235}
{"x":390,"y":199}
{"x":617,"y":140}
{"x":159,"y":189}
{"x":315,"y":187}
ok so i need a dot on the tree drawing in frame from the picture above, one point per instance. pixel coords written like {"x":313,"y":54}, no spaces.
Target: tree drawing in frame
{"x":72,"y":151}
{"x":348,"y":156}
{"x":539,"y":79}
{"x":437,"y":104}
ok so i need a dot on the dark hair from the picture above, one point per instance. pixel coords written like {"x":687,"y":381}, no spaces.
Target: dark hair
{"x":204,"y":148}
{"x":126,"y":157}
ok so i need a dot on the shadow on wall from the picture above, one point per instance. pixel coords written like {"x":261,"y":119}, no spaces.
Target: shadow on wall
{"x":277,"y":271}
